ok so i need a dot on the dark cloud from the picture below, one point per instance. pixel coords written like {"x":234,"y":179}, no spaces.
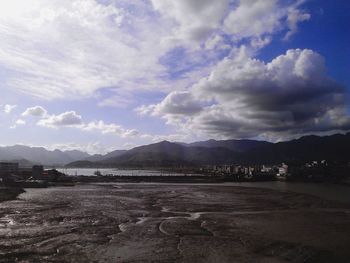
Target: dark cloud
{"x":290,"y":95}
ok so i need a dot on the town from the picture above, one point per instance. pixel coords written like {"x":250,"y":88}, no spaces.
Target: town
{"x":311,"y":171}
{"x":11,"y":174}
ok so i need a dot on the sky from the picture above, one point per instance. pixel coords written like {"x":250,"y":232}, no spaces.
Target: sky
{"x":100,"y":75}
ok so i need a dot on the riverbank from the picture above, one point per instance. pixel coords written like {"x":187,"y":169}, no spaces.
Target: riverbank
{"x":9,"y":193}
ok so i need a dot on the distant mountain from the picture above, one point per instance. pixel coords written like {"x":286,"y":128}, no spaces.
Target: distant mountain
{"x":170,"y":154}
{"x":100,"y":157}
{"x":167,"y":154}
{"x":22,"y":162}
{"x":77,"y":155}
{"x":84,"y":164}
{"x":94,"y":158}
{"x":39,"y":155}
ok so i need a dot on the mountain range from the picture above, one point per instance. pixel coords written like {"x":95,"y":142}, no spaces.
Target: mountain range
{"x":28,"y":156}
{"x":169,"y":154}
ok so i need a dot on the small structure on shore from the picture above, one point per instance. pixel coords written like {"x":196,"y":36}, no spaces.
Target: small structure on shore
{"x":7,"y":169}
{"x":38,"y":172}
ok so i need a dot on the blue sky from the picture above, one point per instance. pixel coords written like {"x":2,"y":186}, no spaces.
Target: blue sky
{"x":114,"y":74}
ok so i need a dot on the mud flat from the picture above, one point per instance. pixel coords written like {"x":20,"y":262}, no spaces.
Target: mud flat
{"x":172,"y":223}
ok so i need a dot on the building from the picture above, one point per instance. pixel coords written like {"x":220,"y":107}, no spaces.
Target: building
{"x":7,"y":169}
{"x":283,"y":170}
{"x":37,"y":171}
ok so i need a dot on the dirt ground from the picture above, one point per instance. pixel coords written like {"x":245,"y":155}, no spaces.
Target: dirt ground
{"x":9,"y":193}
{"x":172,"y":223}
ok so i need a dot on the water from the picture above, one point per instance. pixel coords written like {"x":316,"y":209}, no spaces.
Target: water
{"x":116,"y":172}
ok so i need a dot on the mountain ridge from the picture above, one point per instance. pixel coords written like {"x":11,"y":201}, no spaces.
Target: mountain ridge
{"x":168,"y":154}
{"x":165,"y":153}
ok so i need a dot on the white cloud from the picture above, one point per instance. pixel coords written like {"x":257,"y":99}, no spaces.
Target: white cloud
{"x":258,"y":18}
{"x":18,"y":122}
{"x":36,"y":111}
{"x":110,"y":128}
{"x":116,"y":101}
{"x":69,"y":118}
{"x":294,"y":17}
{"x":71,"y":48}
{"x":214,"y":42}
{"x":7,"y":108}
{"x":196,"y":19}
{"x":74,"y":120}
{"x":253,"y":18}
{"x":177,"y":102}
{"x":175,"y":105}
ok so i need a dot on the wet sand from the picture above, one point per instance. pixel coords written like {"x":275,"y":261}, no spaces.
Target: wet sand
{"x":172,"y":223}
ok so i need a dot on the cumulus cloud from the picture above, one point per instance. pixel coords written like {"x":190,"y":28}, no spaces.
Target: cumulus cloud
{"x":74,"y":120}
{"x":7,"y":108}
{"x":176,"y":103}
{"x":290,"y":94}
{"x":36,"y":111}
{"x":69,"y":118}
